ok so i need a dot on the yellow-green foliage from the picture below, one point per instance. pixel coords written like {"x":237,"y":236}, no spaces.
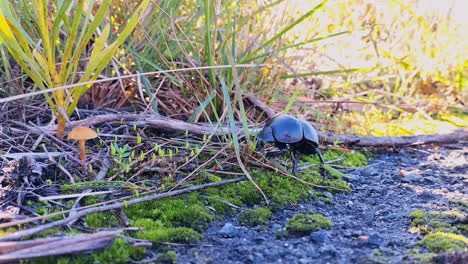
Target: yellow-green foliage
{"x":356,"y":159}
{"x":44,"y":208}
{"x":302,"y":224}
{"x":184,"y":211}
{"x":104,"y":219}
{"x":174,"y":219}
{"x":446,"y":242}
{"x":168,"y":257}
{"x":277,"y":187}
{"x":118,"y":252}
{"x":414,"y":254}
{"x":4,"y":232}
{"x":463,"y":205}
{"x":157,"y":231}
{"x":438,"y":221}
{"x":255,"y":217}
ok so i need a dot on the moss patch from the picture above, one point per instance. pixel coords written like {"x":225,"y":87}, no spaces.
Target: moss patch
{"x":118,"y":252}
{"x":168,"y":257}
{"x":448,"y":222}
{"x":255,"y":217}
{"x":184,"y":211}
{"x":303,"y":223}
{"x":157,"y":231}
{"x":444,"y":242}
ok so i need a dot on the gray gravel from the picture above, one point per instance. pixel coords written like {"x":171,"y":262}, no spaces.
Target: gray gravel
{"x":370,"y":224}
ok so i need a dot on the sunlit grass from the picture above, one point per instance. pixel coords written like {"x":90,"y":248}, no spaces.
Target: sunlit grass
{"x":382,"y":123}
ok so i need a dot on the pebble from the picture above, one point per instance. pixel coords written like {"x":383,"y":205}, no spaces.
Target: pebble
{"x":328,"y":249}
{"x":376,"y":240}
{"x":410,"y":178}
{"x":229,"y":230}
{"x":320,"y":236}
{"x":430,"y":179}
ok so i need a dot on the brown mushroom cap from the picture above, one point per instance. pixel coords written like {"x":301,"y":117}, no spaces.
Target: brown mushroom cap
{"x":81,"y":132}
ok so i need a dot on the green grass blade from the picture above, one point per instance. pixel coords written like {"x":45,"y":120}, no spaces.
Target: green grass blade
{"x":286,"y":29}
{"x":306,"y":42}
{"x":152,"y":64}
{"x":147,"y":85}
{"x":288,"y":76}
{"x":209,"y":14}
{"x":201,"y":107}
{"x":234,"y":137}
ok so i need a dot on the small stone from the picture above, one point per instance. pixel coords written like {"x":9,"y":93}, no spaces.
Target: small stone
{"x":229,"y":230}
{"x":320,"y":236}
{"x":430,"y":179}
{"x":376,"y":240}
{"x":353,"y":177}
{"x":276,"y":227}
{"x":356,"y":233}
{"x":328,"y":195}
{"x":328,"y":249}
{"x":363,"y":237}
{"x":409,"y":178}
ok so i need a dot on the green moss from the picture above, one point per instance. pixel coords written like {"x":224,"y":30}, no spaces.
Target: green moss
{"x":186,"y":211}
{"x":463,"y":205}
{"x":255,"y":217}
{"x":414,"y":256}
{"x":418,"y":217}
{"x":44,"y":208}
{"x":156,"y":231}
{"x":103,"y":219}
{"x":426,"y":222}
{"x":355,"y":159}
{"x":325,"y":200}
{"x":118,"y":252}
{"x":303,"y":223}
{"x":4,"y":232}
{"x":445,"y":242}
{"x":168,"y":257}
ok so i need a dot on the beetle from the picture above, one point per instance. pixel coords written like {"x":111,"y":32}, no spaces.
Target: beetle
{"x":290,"y":133}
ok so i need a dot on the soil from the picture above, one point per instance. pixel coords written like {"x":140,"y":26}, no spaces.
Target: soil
{"x":370,"y":224}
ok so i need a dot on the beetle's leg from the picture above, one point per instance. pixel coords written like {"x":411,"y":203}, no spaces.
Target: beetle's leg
{"x":322,"y":170}
{"x":275,"y":153}
{"x":317,"y":150}
{"x":294,"y":157}
{"x":260,"y":144}
{"x":282,"y":148}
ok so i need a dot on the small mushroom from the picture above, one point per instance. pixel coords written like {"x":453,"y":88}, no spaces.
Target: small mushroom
{"x":81,"y":134}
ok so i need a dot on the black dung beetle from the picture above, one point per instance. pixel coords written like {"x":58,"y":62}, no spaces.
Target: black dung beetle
{"x":290,"y":133}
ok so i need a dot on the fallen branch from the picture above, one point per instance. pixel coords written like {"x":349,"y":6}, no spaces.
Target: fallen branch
{"x":81,"y":213}
{"x":162,"y":122}
{"x":17,"y":250}
{"x":456,"y":136}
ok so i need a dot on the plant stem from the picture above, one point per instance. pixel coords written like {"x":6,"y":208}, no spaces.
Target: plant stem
{"x":61,"y":127}
{"x":81,"y":143}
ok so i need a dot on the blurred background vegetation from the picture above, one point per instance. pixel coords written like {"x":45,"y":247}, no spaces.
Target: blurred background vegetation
{"x":380,"y":67}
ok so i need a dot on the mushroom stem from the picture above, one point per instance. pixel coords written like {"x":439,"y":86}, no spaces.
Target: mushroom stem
{"x":81,"y":143}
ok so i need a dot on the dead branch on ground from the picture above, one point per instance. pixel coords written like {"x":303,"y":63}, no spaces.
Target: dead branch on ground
{"x":161,"y":122}
{"x":17,"y":250}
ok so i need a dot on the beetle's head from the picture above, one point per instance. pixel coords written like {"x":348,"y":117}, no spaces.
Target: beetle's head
{"x":260,"y":144}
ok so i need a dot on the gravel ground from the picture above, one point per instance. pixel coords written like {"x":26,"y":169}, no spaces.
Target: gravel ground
{"x":370,"y":224}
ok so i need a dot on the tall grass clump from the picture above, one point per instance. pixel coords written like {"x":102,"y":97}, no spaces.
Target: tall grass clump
{"x":51,"y":42}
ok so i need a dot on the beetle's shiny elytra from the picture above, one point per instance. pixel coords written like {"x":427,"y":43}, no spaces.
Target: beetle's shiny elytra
{"x":288,"y":132}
